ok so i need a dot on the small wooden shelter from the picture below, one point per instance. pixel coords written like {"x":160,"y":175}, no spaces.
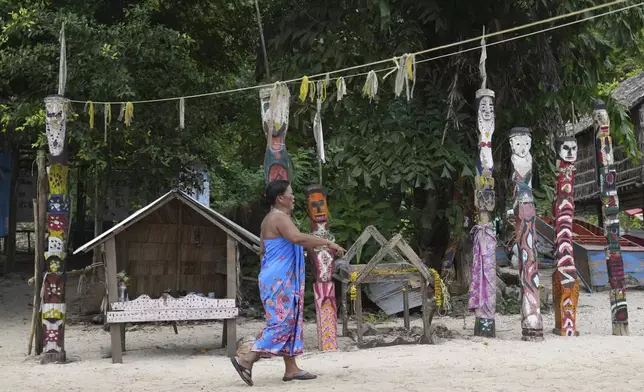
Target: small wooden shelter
{"x":407,"y":267}
{"x":630,"y":175}
{"x":173,"y":246}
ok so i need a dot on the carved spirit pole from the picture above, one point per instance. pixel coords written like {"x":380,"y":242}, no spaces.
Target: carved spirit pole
{"x":525,"y":217}
{"x":483,"y":289}
{"x":275,"y":112}
{"x":482,"y":296}
{"x":607,"y":177}
{"x":53,"y":307}
{"x":324,"y":288}
{"x":565,"y":285}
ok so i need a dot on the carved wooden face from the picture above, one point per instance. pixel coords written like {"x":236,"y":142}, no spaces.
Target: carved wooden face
{"x":486,"y":109}
{"x":317,"y":206}
{"x":520,"y":145}
{"x":568,"y":151}
{"x":601,"y":118}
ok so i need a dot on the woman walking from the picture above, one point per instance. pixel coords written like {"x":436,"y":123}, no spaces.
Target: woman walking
{"x":281,"y":286}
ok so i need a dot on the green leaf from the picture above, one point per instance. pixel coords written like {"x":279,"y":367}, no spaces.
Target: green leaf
{"x":446,"y":173}
{"x":467,"y":172}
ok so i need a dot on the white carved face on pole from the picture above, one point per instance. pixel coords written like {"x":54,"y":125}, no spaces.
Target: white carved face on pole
{"x":486,"y":109}
{"x":56,"y":120}
{"x":520,"y":144}
{"x":568,"y":151}
{"x":601,"y":118}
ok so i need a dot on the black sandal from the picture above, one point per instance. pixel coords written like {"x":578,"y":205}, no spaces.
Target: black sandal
{"x":245,"y":374}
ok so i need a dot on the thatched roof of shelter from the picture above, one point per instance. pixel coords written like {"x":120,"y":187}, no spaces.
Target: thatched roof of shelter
{"x":629,"y":93}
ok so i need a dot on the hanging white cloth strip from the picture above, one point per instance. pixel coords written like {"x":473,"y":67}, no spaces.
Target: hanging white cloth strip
{"x":279,"y":104}
{"x":370,"y":88}
{"x":62,"y":67}
{"x":341,"y":86}
{"x":482,"y":69}
{"x":317,"y":122}
{"x":182,"y":113}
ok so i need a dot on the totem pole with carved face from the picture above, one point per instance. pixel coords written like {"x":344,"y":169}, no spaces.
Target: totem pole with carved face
{"x":607,"y":178}
{"x":324,"y":288}
{"x":277,"y":161}
{"x":565,"y":286}
{"x":53,"y":305}
{"x":525,"y":217}
{"x":482,"y":294}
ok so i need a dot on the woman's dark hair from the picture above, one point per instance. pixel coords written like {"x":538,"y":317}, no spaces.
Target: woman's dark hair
{"x":273,"y":190}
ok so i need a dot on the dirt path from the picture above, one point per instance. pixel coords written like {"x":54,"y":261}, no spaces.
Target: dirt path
{"x":159,"y":361}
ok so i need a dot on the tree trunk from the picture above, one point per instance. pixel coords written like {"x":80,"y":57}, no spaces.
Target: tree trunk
{"x":98,"y":213}
{"x":10,"y":261}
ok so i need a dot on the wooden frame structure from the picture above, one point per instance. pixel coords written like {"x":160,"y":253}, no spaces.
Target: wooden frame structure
{"x":172,"y":268}
{"x":408,"y":266}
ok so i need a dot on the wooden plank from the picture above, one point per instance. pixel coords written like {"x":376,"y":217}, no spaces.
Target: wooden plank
{"x":231,"y":293}
{"x":415,"y":260}
{"x":389,"y":278}
{"x":381,"y":240}
{"x":112,"y":296}
{"x":377,"y":258}
{"x":166,"y":302}
{"x":179,"y":242}
{"x":152,"y":315}
{"x":360,"y":242}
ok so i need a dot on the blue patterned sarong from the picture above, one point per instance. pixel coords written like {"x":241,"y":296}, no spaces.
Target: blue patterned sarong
{"x":281,"y":288}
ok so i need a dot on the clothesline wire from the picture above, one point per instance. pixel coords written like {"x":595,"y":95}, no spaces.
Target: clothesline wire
{"x":466,"y":41}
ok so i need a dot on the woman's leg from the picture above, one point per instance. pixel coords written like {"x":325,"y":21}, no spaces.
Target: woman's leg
{"x":248,"y":360}
{"x":290,"y":366}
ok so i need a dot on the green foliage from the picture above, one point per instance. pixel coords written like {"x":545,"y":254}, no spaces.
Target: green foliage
{"x":390,"y":163}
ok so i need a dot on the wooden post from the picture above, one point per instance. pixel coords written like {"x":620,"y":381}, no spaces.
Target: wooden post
{"x":112,"y":296}
{"x":37,"y":286}
{"x":359,"y":312}
{"x":424,"y":292}
{"x":565,"y":285}
{"x":345,"y":311}
{"x":179,"y":240}
{"x":231,"y":293}
{"x":405,"y":292}
{"x":98,"y":215}
{"x":42,"y":190}
{"x":525,"y":212}
{"x":607,"y":177}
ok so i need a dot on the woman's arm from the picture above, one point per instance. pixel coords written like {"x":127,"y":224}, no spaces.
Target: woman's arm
{"x":261,"y":245}
{"x":288,"y":230}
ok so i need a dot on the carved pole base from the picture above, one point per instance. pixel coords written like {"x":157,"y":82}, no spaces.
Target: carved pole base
{"x":326,"y":315}
{"x":619,"y":312}
{"x":563,"y":332}
{"x":485,"y":327}
{"x":60,"y":357}
{"x":532,"y":335}
{"x":565,"y":301}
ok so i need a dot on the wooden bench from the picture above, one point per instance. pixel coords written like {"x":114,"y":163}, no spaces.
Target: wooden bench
{"x":189,"y":308}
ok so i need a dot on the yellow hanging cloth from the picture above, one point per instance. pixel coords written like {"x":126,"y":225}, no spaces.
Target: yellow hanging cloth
{"x":129,"y":113}
{"x":90,"y":111}
{"x":304,"y":88}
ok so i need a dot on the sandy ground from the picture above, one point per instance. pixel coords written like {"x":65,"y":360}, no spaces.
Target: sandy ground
{"x":157,"y":360}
